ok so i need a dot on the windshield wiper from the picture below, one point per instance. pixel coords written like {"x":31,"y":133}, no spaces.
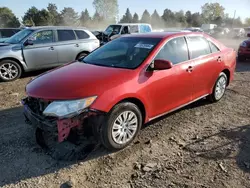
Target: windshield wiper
{"x":99,"y":64}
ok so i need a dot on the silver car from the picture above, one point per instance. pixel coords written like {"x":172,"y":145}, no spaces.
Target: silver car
{"x":43,"y":47}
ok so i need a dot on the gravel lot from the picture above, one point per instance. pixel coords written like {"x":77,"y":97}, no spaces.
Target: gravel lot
{"x":202,"y":145}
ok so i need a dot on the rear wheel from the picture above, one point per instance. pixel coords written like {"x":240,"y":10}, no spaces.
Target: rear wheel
{"x":219,"y":88}
{"x":122,"y":126}
{"x":9,"y":70}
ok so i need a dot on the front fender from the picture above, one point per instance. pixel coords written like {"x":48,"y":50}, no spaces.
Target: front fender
{"x":108,"y":100}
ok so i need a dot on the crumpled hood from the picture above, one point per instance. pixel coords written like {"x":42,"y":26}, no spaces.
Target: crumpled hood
{"x":77,"y":80}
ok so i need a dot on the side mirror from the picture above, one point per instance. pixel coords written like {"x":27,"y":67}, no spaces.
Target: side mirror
{"x":160,"y":64}
{"x":248,"y":34}
{"x":29,"y":41}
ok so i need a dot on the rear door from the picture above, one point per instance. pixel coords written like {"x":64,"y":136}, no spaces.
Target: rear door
{"x":207,"y":64}
{"x":86,"y":44}
{"x":67,"y":46}
{"x":43,"y":53}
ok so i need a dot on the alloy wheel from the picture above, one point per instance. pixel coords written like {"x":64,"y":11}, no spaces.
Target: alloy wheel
{"x":220,"y":87}
{"x":8,"y":71}
{"x":124,"y":127}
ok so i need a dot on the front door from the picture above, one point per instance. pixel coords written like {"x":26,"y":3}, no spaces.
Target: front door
{"x":42,"y":54}
{"x":172,"y":88}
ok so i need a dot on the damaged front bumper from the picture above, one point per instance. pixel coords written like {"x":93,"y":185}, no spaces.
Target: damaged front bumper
{"x":60,"y":127}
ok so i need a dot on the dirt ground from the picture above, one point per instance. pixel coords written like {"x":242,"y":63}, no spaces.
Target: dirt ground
{"x":202,"y":145}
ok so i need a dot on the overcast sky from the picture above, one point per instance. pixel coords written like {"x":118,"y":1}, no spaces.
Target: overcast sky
{"x":242,"y":7}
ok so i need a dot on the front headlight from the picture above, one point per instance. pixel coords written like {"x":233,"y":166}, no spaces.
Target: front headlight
{"x":243,"y":44}
{"x":67,"y":109}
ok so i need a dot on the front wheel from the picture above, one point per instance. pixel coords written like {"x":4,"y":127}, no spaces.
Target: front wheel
{"x":219,"y":88}
{"x":122,"y":126}
{"x":9,"y":70}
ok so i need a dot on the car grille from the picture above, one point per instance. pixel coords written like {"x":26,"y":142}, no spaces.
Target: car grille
{"x":37,"y":105}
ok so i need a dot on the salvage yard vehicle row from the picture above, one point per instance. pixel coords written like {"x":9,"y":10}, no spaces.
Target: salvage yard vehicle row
{"x":43,"y":47}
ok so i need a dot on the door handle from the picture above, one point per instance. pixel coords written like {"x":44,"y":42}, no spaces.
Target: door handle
{"x":51,"y":48}
{"x":77,"y":45}
{"x":190,"y":69}
{"x":219,"y":59}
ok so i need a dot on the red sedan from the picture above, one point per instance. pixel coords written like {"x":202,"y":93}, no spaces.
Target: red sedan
{"x":244,"y":50}
{"x":127,"y":83}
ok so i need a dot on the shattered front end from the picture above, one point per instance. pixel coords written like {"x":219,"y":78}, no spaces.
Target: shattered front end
{"x":44,"y":114}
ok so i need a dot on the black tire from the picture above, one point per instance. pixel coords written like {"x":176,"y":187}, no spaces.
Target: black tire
{"x":106,"y":129}
{"x":212,"y":97}
{"x":14,"y":65}
{"x":81,"y":55}
{"x":241,"y":58}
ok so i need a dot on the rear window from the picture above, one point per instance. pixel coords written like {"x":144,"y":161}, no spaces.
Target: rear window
{"x":66,"y":35}
{"x":81,"y":34}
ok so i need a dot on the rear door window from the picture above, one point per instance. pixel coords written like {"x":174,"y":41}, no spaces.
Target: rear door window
{"x":81,"y":34}
{"x":198,"y":46}
{"x":174,"y":50}
{"x":144,"y":29}
{"x":134,"y":29}
{"x":213,"y":47}
{"x":66,"y":35}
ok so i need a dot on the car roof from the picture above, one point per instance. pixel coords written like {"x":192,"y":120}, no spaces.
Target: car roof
{"x":55,"y":27}
{"x":131,"y":24}
{"x":163,"y":35}
{"x":10,"y":28}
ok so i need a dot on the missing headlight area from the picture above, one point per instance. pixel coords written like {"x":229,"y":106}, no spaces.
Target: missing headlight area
{"x":77,"y":131}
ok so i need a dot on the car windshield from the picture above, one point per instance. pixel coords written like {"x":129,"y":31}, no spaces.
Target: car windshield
{"x":125,"y":52}
{"x":18,"y":37}
{"x":113,"y":29}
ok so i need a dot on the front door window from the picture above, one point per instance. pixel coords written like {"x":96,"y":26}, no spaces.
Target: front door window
{"x":42,"y":37}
